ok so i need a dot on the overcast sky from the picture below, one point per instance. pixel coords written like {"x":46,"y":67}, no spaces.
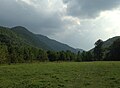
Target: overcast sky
{"x":78,"y":23}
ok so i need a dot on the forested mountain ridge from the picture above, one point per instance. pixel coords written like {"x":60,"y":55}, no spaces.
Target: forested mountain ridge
{"x":107,"y":50}
{"x":9,"y":37}
{"x":110,"y":41}
{"x":18,"y":45}
{"x":29,"y":37}
{"x":13,"y":49}
{"x":42,"y":41}
{"x":55,"y":45}
{"x":107,"y":44}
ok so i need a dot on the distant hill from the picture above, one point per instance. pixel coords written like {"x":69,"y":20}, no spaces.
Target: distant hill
{"x":106,"y":44}
{"x":29,"y":37}
{"x":55,"y":45}
{"x":7,"y":36}
{"x":22,"y":36}
{"x":109,"y":42}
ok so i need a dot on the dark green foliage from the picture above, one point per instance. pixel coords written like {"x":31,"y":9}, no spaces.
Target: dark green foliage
{"x":79,"y":57}
{"x":62,"y":56}
{"x":13,"y":49}
{"x":18,"y":45}
{"x":86,"y":56}
{"x":53,"y":56}
{"x":68,"y":55}
{"x":108,"y":50}
{"x":98,"y":53}
{"x":29,"y":37}
{"x":3,"y":53}
{"x":42,"y":55}
{"x":89,"y":56}
{"x":114,"y":53}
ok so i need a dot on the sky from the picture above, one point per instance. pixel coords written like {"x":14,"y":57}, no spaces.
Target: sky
{"x":78,"y":23}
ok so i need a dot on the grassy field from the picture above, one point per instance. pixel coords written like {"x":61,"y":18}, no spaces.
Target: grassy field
{"x":61,"y":75}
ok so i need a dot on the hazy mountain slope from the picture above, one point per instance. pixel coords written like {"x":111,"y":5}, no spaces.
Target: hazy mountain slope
{"x":55,"y":45}
{"x":42,"y":41}
{"x":106,"y":44}
{"x":109,"y":42}
{"x":22,"y":36}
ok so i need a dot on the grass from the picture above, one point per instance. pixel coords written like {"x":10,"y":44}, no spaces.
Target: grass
{"x":61,"y":75}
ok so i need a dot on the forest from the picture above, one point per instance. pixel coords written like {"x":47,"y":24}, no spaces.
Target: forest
{"x":15,"y":49}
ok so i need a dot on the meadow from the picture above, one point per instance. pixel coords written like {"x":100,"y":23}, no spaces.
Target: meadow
{"x":61,"y":75}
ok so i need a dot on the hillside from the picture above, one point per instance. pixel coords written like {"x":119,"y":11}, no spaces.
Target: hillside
{"x":9,"y":37}
{"x":29,"y":37}
{"x":41,"y":41}
{"x":110,"y":41}
{"x":106,"y":44}
{"x":55,"y":45}
{"x":21,"y":35}
{"x":18,"y":45}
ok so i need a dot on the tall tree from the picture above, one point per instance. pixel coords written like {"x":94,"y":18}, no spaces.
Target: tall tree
{"x":98,"y":50}
{"x":89,"y":56}
{"x":79,"y":56}
{"x":3,"y":53}
{"x":62,"y":56}
{"x":42,"y":55}
{"x":114,"y":53}
{"x":52,"y":55}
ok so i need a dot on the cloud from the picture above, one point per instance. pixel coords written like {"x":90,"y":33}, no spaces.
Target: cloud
{"x":89,"y":8}
{"x":78,"y":23}
{"x":36,"y":15}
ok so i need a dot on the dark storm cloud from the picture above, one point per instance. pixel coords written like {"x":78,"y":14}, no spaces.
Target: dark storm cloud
{"x":89,"y":8}
{"x":16,"y":12}
{"x":68,"y":21}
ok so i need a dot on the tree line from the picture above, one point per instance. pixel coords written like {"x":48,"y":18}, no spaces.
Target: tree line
{"x":12,"y":52}
{"x":112,"y":53}
{"x":22,"y":54}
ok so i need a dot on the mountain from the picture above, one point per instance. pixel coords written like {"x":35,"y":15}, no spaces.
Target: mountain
{"x":106,"y":44}
{"x":29,"y":37}
{"x":109,"y":42}
{"x":8,"y":37}
{"x":22,"y":36}
{"x":55,"y":45}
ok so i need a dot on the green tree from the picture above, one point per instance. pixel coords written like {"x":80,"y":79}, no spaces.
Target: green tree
{"x":114,"y":53}
{"x":62,"y":56}
{"x":98,"y":50}
{"x":3,"y":53}
{"x":89,"y":56}
{"x":68,"y":53}
{"x":83,"y":56}
{"x":79,"y":59}
{"x":44,"y":56}
{"x":53,"y":56}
